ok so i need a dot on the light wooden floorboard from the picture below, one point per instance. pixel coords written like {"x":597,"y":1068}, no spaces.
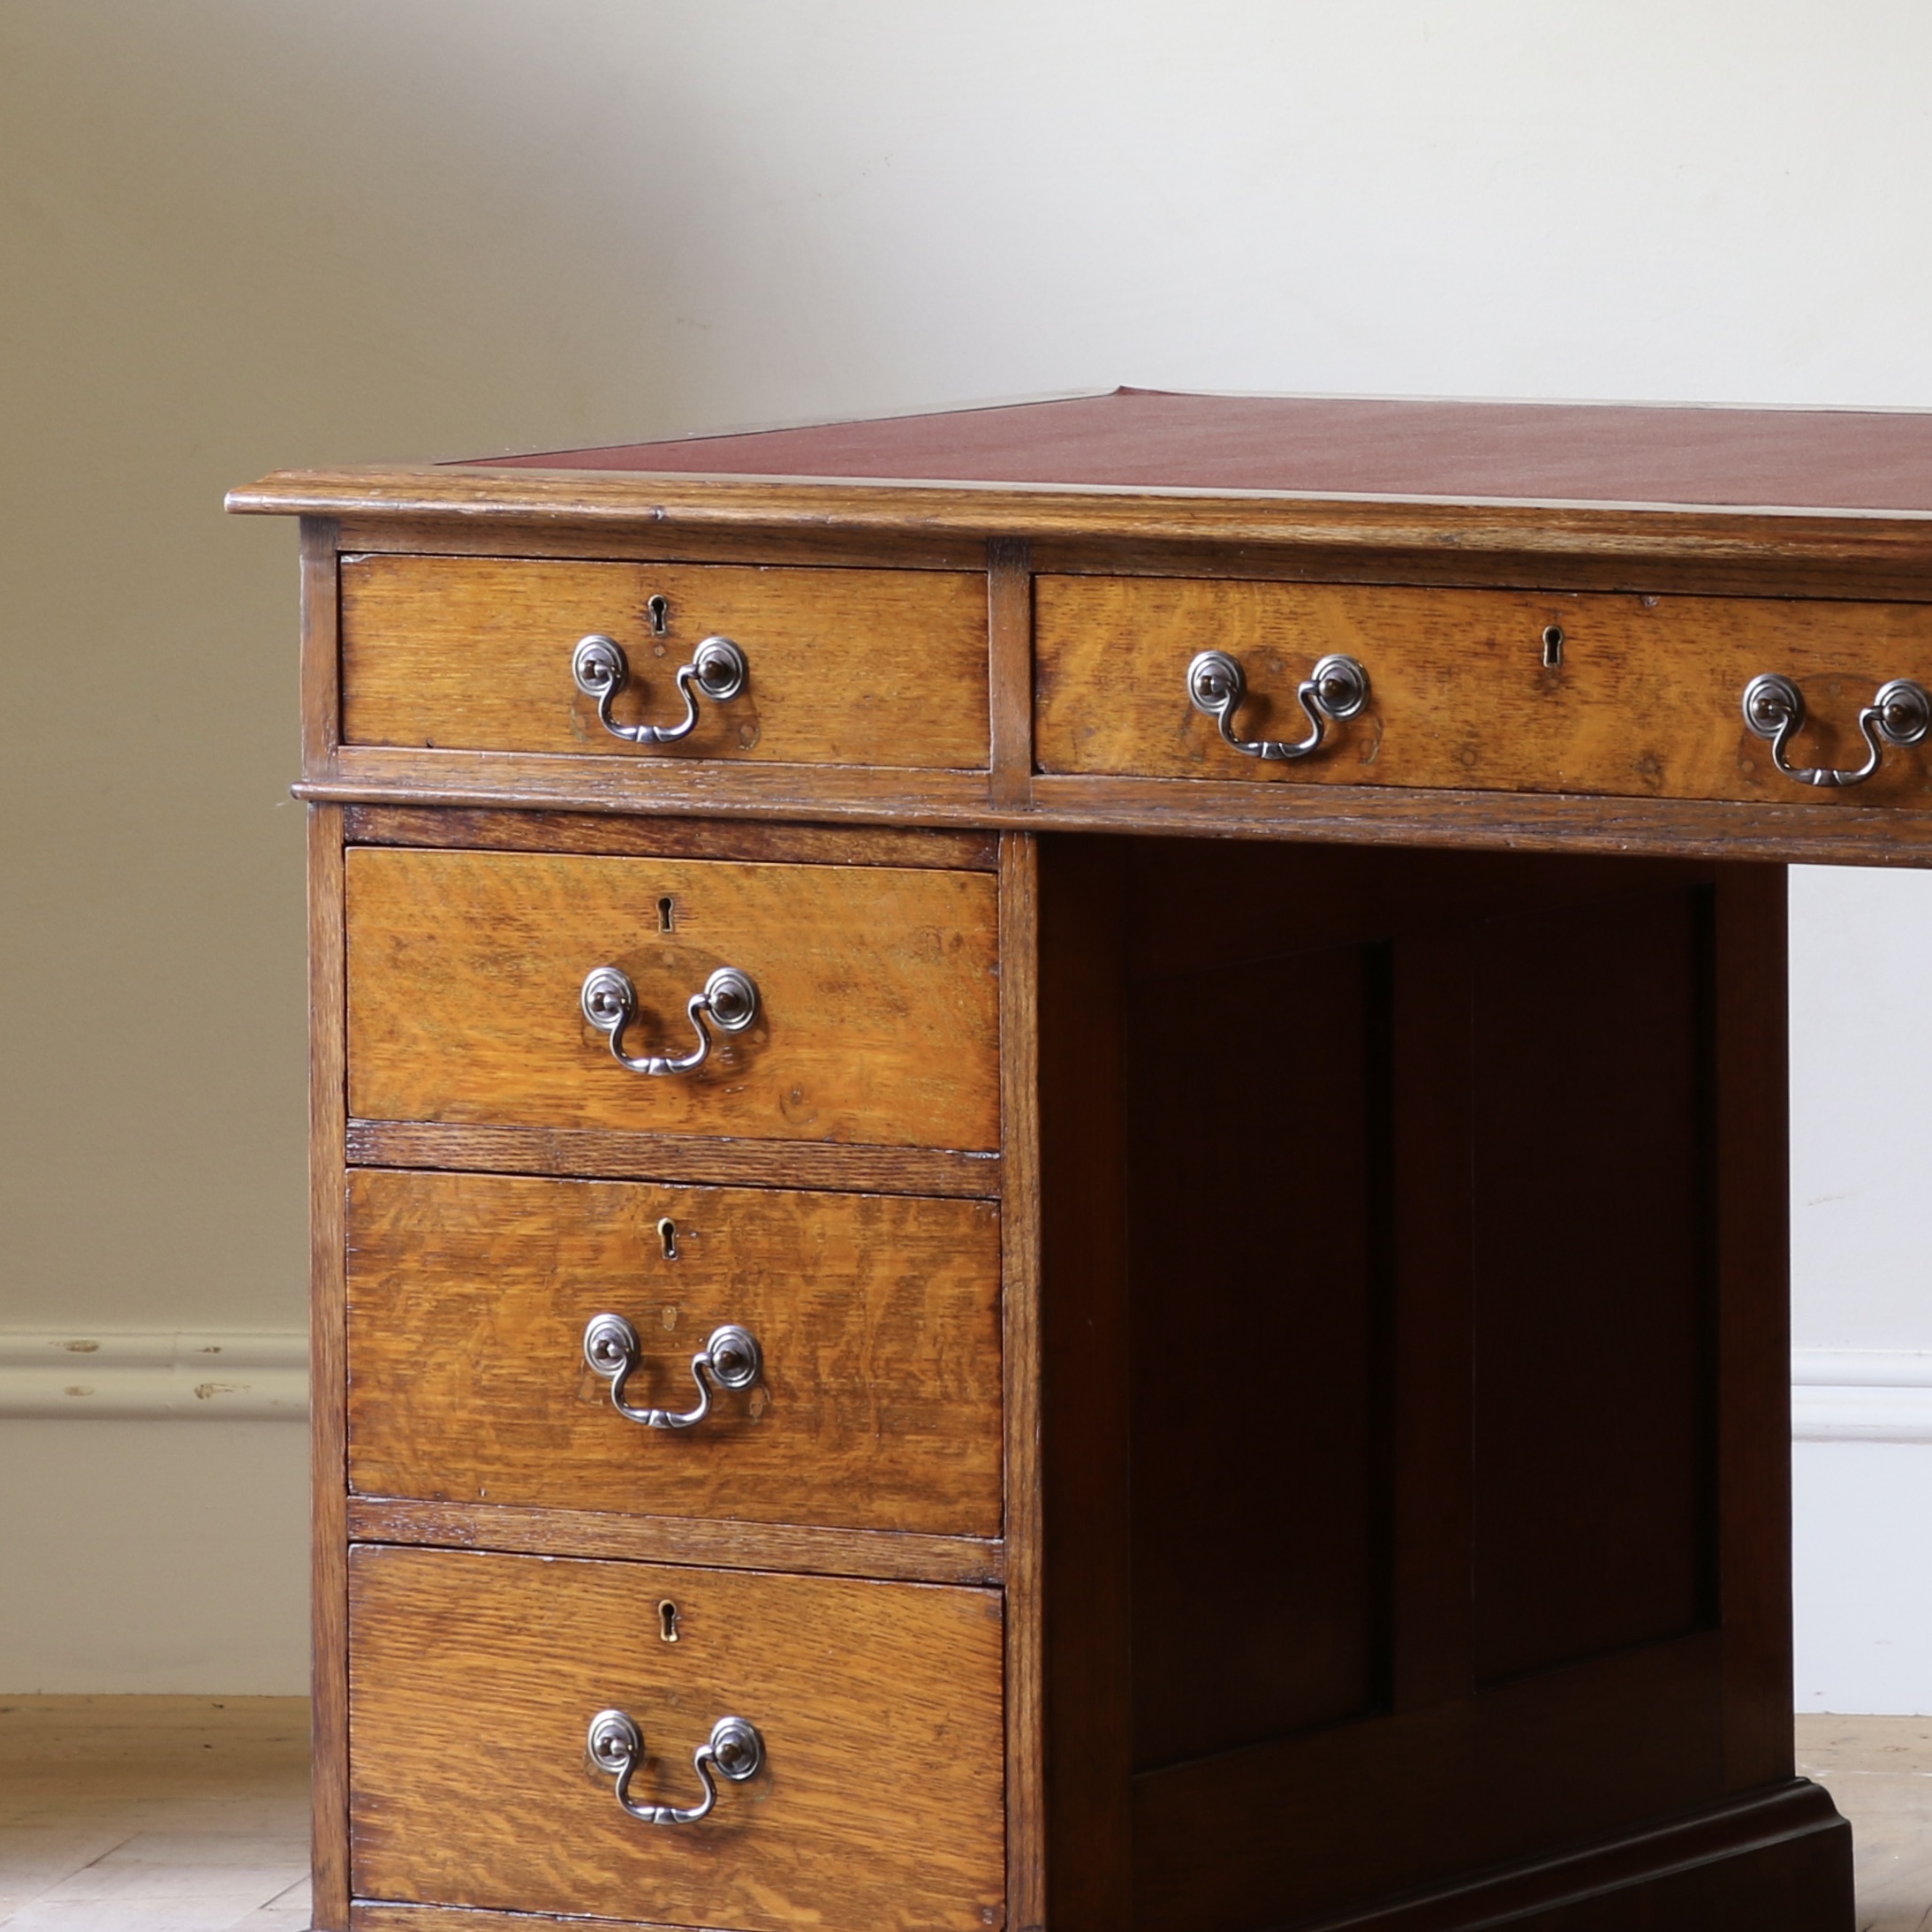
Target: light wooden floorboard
{"x":190,"y":1814}
{"x":153,"y":1814}
{"x":1879,"y":1770}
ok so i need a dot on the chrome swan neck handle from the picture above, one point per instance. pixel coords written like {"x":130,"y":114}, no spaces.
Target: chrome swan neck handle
{"x":1774,"y":708}
{"x":728,"y":1000}
{"x":734,"y":1751}
{"x":731,"y":1359}
{"x":600,"y":669}
{"x":1336,"y":688}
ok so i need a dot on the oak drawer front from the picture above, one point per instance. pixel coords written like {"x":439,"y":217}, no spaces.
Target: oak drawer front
{"x":873,"y":1404}
{"x":844,"y":667}
{"x":473,"y":1679}
{"x":1645,"y":699}
{"x":876,"y":1019}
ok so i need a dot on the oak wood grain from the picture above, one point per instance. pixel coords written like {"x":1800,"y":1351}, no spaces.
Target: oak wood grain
{"x":671,"y":838}
{"x":879,"y":1705}
{"x":328,"y":1423}
{"x":878,"y":1406}
{"x":704,"y":788}
{"x":594,"y":1154}
{"x":898,"y":1556}
{"x":1644,"y":702}
{"x":1634,"y":535}
{"x":846,"y":667}
{"x":1027,"y":1849}
{"x":1010,"y":662}
{"x":1777,"y":1860}
{"x":437,"y":535}
{"x":1822,"y":827}
{"x":320,"y":659}
{"x":1767,"y":571}
{"x":877,"y":1019}
{"x":372,"y":1916}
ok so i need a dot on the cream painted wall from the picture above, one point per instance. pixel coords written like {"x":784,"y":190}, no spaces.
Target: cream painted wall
{"x":237,"y":234}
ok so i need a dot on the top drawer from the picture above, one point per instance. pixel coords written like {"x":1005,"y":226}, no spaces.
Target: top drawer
{"x":841,"y":667}
{"x":1522,"y":690}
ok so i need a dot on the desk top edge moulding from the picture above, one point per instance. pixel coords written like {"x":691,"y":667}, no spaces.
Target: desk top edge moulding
{"x":1048,"y":1161}
{"x":1695,"y":508}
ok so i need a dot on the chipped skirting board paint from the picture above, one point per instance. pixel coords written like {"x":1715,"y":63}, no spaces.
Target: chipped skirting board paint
{"x":130,"y":1375}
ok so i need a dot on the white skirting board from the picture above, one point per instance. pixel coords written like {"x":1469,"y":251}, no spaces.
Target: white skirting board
{"x":1861,"y":1530}
{"x":1861,"y":1395}
{"x":1861,"y":1576}
{"x":128,"y":1374}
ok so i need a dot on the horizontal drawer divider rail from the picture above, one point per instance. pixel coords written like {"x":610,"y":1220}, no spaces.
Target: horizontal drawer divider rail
{"x":890,"y":1556}
{"x":600,"y":1154}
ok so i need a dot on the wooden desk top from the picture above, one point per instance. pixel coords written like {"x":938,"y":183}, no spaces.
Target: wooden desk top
{"x":1790,"y":540}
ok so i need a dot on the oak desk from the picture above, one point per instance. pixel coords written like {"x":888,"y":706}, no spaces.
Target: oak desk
{"x":1049,"y":1161}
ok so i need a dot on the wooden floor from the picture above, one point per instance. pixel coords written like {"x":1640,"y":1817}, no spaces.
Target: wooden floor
{"x":154,"y":1814}
{"x":190,"y":1814}
{"x":1879,"y":1771}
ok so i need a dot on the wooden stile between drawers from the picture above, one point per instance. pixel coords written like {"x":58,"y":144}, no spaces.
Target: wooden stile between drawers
{"x":877,"y":1019}
{"x":846,"y":667}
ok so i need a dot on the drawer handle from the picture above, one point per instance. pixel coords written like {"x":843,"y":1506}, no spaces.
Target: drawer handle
{"x":731,"y":1359}
{"x":1898,"y":714}
{"x":734,"y":1750}
{"x":1336,"y":688}
{"x":728,"y":999}
{"x":600,"y":669}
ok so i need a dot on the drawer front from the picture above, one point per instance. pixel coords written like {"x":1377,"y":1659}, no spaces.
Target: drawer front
{"x":473,"y":1679}
{"x":843,"y":667}
{"x":1645,"y":700}
{"x":876,"y":1320}
{"x":876,"y":1019}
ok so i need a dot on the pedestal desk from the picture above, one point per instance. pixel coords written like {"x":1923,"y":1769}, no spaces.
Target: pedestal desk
{"x":1049,"y":1161}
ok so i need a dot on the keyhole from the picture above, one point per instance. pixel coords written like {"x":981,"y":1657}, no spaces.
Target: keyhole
{"x":666,"y":1621}
{"x":665,"y":910}
{"x":667,"y":1236}
{"x":659,"y":610}
{"x":1552,"y":646}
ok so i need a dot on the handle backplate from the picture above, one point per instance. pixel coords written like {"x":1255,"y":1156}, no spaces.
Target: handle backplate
{"x":1901,"y":714}
{"x":1336,"y":689}
{"x":600,"y":669}
{"x":615,"y":1746}
{"x":728,"y":1000}
{"x":731,"y":1359}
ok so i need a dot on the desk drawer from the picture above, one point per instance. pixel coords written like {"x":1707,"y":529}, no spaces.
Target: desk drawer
{"x":842,"y":667}
{"x":1643,"y":699}
{"x":473,"y":1679}
{"x":876,"y":1017}
{"x":875,"y":1403}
